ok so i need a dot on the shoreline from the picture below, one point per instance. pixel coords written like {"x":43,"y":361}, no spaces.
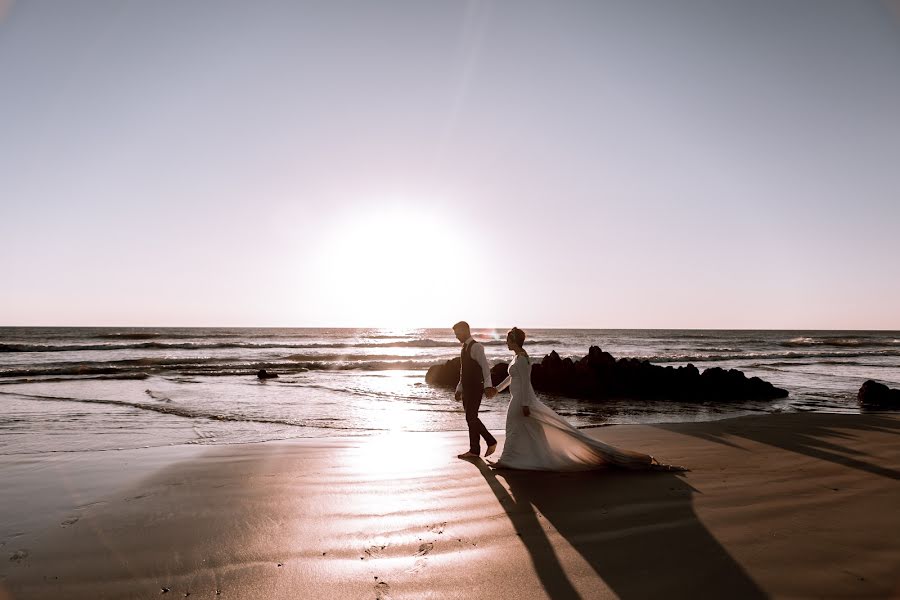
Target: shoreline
{"x":792,"y":504}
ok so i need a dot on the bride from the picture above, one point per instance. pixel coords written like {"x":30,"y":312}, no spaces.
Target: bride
{"x":539,"y":439}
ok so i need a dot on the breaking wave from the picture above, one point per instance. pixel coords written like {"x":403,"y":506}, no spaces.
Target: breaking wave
{"x":140,"y":368}
{"x":765,"y":355}
{"x":418,"y":343}
{"x":842,"y":342}
{"x":181,"y":411}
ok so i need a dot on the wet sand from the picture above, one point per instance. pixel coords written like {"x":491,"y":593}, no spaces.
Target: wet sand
{"x":792,"y":505}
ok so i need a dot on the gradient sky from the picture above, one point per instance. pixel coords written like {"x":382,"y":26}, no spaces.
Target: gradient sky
{"x":671,"y":163}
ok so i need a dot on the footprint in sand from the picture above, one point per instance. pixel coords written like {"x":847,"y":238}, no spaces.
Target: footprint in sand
{"x":375,"y":551}
{"x":69,"y":521}
{"x":382,"y":591}
{"x":438,"y":527}
{"x":421,"y":561}
{"x":420,"y":564}
{"x":19,"y":555}
{"x":425,"y":549}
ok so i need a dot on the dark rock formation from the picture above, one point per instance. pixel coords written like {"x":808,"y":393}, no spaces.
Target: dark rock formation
{"x":263,"y":374}
{"x":877,"y":395}
{"x":599,"y":376}
{"x":447,"y":374}
{"x":499,"y":373}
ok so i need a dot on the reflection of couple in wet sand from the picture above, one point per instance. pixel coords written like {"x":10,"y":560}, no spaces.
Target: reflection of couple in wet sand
{"x":536,"y":437}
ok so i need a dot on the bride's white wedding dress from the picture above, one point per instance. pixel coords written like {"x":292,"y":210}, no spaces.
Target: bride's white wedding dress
{"x":544,"y":441}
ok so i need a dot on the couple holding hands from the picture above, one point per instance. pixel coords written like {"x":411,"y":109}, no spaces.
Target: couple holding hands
{"x":536,"y":437}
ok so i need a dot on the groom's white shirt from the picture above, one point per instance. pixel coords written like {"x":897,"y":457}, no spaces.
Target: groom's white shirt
{"x":477,"y":353}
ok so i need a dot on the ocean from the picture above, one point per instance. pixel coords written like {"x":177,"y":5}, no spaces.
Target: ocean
{"x":87,"y":389}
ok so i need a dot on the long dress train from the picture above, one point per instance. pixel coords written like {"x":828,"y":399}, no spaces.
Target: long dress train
{"x":544,"y":441}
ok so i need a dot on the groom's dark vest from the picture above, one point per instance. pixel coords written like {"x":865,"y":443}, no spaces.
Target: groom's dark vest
{"x":470,"y":372}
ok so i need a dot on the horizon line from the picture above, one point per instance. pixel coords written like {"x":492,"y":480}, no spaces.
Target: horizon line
{"x":447,"y":327}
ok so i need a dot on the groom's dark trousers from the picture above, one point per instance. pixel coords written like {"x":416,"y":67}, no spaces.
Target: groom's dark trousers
{"x":472,"y":380}
{"x":472,"y":403}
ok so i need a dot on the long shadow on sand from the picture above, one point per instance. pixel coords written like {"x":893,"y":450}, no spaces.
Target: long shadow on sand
{"x":637,"y":530}
{"x":817,"y":440}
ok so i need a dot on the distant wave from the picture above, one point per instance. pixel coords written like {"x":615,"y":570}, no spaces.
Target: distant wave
{"x":715,"y":349}
{"x":806,"y":363}
{"x":692,"y":357}
{"x":155,"y":346}
{"x":128,"y":336}
{"x":852,"y":342}
{"x":45,"y":379}
{"x":352,"y":357}
{"x":418,"y":343}
{"x":139,"y":346}
{"x":201,"y":334}
{"x":298,"y":363}
{"x":209,"y":366}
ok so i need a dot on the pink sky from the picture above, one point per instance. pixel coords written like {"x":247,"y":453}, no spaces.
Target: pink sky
{"x":670,"y":164}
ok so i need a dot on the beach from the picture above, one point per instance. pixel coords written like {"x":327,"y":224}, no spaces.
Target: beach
{"x":272,"y":270}
{"x":785,"y":505}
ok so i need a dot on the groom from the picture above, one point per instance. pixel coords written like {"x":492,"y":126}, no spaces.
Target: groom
{"x":474,"y":381}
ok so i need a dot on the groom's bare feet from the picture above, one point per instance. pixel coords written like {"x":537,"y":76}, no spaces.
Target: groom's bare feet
{"x":468,"y":454}
{"x":490,"y":449}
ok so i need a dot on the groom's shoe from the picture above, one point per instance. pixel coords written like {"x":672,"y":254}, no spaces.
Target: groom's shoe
{"x":490,"y":449}
{"x":468,"y":454}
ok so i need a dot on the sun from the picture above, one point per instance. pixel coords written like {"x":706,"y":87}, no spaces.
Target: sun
{"x":395,"y":267}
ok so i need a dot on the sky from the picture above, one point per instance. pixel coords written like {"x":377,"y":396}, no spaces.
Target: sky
{"x":609,"y":164}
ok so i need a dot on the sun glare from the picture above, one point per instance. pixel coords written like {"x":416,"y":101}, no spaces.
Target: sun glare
{"x":393,"y":268}
{"x":397,"y":454}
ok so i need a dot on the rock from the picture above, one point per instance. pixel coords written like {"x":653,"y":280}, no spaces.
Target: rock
{"x":263,"y":374}
{"x":877,"y":395}
{"x":447,"y":374}
{"x":499,"y":373}
{"x":599,"y":376}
